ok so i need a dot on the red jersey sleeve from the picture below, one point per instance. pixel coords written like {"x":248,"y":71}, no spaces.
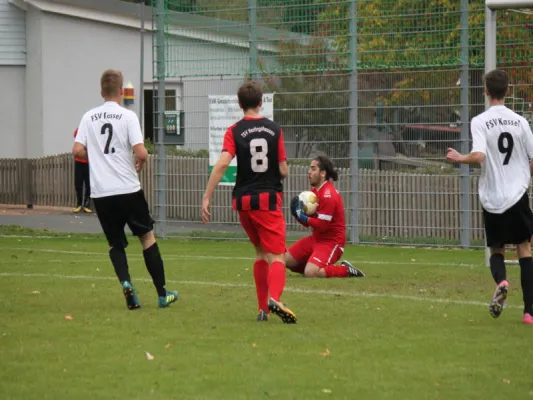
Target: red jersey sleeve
{"x":76,"y":132}
{"x":326,"y":209}
{"x":282,"y":156}
{"x":229,"y":142}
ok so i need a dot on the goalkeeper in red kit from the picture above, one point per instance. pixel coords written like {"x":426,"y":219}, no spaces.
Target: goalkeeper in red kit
{"x":315,"y":256}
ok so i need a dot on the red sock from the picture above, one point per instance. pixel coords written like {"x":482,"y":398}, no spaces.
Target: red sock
{"x":335,"y":271}
{"x":261,"y":283}
{"x":276,"y":279}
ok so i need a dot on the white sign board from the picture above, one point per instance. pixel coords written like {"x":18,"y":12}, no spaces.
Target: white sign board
{"x":224,"y":111}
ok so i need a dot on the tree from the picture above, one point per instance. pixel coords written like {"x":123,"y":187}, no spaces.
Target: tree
{"x":401,"y":62}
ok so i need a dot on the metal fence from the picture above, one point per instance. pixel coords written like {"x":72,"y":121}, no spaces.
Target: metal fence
{"x":383,"y":87}
{"x":394,"y":206}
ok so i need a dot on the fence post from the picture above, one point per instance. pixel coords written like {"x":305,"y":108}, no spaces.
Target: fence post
{"x":354,"y":140}
{"x":28,"y":184}
{"x":252,"y":33}
{"x":160,"y":145}
{"x":465,"y":90}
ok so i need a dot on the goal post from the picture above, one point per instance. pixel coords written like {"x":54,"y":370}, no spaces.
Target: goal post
{"x":491,"y":7}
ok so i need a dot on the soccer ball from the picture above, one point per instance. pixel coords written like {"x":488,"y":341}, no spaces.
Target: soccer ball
{"x":310,"y":202}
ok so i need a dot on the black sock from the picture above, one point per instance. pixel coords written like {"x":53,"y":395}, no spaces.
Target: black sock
{"x":154,"y":265}
{"x":120,"y":262}
{"x":526,"y":279}
{"x":497,"y":267}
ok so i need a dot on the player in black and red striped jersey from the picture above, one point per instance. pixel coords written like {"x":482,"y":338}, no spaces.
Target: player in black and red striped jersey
{"x":316,"y":255}
{"x":257,"y":142}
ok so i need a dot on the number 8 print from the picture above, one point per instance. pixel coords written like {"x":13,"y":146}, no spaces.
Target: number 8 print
{"x":259,"y":157}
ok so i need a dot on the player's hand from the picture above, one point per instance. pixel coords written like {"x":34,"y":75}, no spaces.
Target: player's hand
{"x":297,"y":210}
{"x":139,"y":164}
{"x":453,"y":155}
{"x":205,"y":210}
{"x":295,"y":202}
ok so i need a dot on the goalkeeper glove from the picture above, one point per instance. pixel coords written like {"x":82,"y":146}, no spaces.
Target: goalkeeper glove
{"x":297,"y":210}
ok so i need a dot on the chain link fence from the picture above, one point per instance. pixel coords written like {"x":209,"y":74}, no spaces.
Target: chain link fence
{"x":383,"y":87}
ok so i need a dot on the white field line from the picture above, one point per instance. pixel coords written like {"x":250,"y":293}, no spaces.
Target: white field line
{"x":203,"y":257}
{"x":246,"y":285}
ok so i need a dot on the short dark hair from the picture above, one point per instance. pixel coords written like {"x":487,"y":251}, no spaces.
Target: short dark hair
{"x":250,"y":95}
{"x":497,"y":83}
{"x":325,"y":164}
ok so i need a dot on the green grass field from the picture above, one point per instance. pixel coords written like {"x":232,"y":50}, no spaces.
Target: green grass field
{"x":417,"y":327}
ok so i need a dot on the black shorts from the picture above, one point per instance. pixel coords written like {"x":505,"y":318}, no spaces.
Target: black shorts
{"x":114,"y":212}
{"x":513,"y":226}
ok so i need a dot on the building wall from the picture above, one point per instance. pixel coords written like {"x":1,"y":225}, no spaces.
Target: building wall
{"x":12,"y":95}
{"x":65,"y":58}
{"x":12,"y":111}
{"x":12,"y":35}
{"x":75,"y":53}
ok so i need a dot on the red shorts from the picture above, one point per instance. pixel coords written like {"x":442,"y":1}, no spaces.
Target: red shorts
{"x":265,"y":228}
{"x":319,"y":253}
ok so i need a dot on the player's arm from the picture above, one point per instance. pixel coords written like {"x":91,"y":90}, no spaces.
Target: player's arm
{"x":479,"y":147}
{"x":219,"y":169}
{"x":527,"y":139}
{"x":136,"y":140}
{"x":218,"y":172}
{"x":282,"y":157}
{"x":79,"y":149}
{"x":324,"y":216}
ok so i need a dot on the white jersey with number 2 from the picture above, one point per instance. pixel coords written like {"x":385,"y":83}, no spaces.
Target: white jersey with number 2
{"x":109,"y":133}
{"x":507,"y":142}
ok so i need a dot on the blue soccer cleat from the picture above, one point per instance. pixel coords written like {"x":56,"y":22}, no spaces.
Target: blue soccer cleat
{"x":132,"y":301}
{"x":171,"y":297}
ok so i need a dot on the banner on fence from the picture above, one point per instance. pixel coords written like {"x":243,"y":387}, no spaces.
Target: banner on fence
{"x":224,"y":111}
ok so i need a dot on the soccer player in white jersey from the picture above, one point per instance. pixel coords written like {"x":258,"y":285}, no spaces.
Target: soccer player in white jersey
{"x":503,"y":145}
{"x":109,"y":136}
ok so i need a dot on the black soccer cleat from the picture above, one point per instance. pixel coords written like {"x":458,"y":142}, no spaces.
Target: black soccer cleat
{"x":262,"y":316}
{"x":498,"y":299}
{"x":352,"y":271}
{"x":286,"y":315}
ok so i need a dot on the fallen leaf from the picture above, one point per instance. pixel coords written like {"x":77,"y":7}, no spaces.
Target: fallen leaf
{"x":506,"y":381}
{"x":98,"y":269}
{"x":413,"y":260}
{"x":93,"y":285}
{"x":445,"y":315}
{"x":168,"y":346}
{"x":254,"y":345}
{"x":68,"y":317}
{"x":325,"y":353}
{"x":149,"y":357}
{"x":64,"y":370}
{"x":36,"y":292}
{"x":326,"y":390}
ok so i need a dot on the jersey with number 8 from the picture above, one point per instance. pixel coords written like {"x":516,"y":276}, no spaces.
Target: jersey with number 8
{"x":109,"y":133}
{"x":507,"y":142}
{"x":258,"y":145}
